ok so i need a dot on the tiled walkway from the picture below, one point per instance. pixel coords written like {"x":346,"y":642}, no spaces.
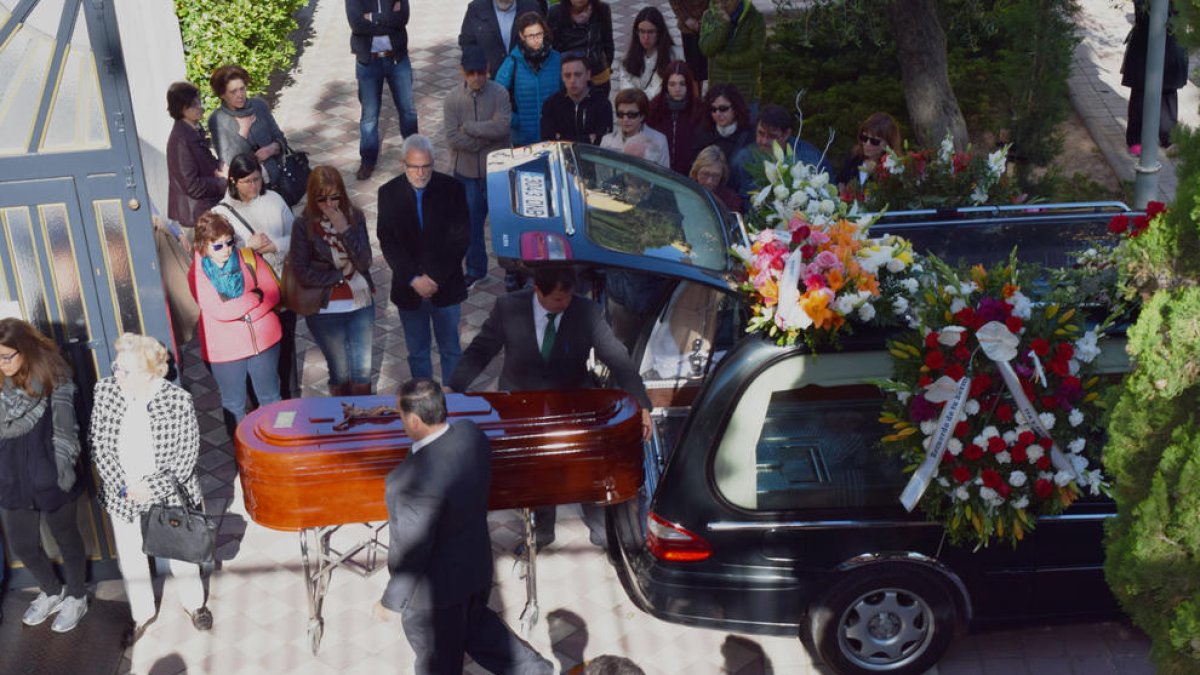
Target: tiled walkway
{"x":257,"y":596}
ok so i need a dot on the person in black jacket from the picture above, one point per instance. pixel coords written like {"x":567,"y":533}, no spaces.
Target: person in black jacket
{"x":424,"y":230}
{"x":440,"y":553}
{"x":578,"y":112}
{"x":491,"y":26}
{"x":585,"y":26}
{"x":1133,"y":75}
{"x":379,"y":40}
{"x":195,"y":181}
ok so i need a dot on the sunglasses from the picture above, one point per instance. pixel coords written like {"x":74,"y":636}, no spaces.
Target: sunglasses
{"x":628,"y":115}
{"x":870,"y":139}
{"x":218,"y":245}
{"x":329,"y":198}
{"x":721,"y":108}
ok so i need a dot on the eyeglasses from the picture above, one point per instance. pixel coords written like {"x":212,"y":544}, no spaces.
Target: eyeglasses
{"x":250,"y":180}
{"x":721,"y":108}
{"x":7,"y":358}
{"x":419,"y":168}
{"x":628,"y":115}
{"x":534,"y":36}
{"x":218,"y":245}
{"x":864,"y":138}
{"x":329,"y":198}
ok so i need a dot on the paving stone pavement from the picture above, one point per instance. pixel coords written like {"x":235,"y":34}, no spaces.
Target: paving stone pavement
{"x":257,"y":595}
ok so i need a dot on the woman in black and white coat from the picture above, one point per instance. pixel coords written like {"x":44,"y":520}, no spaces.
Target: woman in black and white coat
{"x":145,"y":440}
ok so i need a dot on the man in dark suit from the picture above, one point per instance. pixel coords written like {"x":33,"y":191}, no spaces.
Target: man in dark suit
{"x":491,"y":26}
{"x":546,"y":335}
{"x":440,"y":556}
{"x":424,"y":229}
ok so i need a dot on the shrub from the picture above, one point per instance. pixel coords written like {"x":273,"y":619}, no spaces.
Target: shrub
{"x":251,"y":33}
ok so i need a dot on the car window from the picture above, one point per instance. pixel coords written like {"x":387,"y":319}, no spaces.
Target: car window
{"x":642,"y":211}
{"x":791,"y":445}
{"x":681,"y":344}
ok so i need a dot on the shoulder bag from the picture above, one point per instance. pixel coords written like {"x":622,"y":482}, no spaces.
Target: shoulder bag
{"x":179,"y":532}
{"x":301,"y":299}
{"x":293,"y":175}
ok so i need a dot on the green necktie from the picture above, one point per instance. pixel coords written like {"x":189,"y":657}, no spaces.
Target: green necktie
{"x":548,"y":337}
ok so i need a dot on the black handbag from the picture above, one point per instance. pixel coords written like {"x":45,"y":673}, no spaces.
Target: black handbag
{"x":179,"y":532}
{"x":292,"y":180}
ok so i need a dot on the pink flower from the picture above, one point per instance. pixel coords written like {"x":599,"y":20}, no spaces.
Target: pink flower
{"x":818,"y":237}
{"x":827,"y":260}
{"x":813,"y":282}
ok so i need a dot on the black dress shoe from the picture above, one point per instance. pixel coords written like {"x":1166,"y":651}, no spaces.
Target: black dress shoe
{"x":364,"y":171}
{"x":202,"y":619}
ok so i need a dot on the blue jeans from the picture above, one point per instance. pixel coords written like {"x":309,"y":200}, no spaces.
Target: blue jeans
{"x":477,"y":262}
{"x":371,"y":76}
{"x":263,"y":369}
{"x":345,"y":338}
{"x":417,"y":338}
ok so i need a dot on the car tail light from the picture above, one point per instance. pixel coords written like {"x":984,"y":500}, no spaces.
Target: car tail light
{"x":537,"y":246}
{"x":668,"y":541}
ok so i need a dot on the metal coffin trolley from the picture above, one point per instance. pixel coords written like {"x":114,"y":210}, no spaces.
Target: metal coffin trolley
{"x":315,"y":465}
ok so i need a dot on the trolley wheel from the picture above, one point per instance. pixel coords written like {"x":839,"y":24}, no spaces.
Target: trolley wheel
{"x":316,"y":630}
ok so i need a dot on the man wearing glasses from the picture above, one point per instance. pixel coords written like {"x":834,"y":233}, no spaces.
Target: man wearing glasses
{"x":424,"y":229}
{"x":632,"y":136}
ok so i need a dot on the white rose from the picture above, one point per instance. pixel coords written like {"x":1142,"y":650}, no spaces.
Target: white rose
{"x":1075,"y":418}
{"x":1022,"y":306}
{"x":987,"y":494}
{"x":1047,"y":420}
{"x":1034,"y":452}
{"x":1063,"y":478}
{"x":895,"y":266}
{"x":820,"y":180}
{"x":1010,"y":437}
{"x":1019,"y":418}
{"x":827,"y":206}
{"x":866,"y":312}
{"x":1085,"y":347}
{"x":1017,"y":478}
{"x":909,"y":285}
{"x":1076,"y":446}
{"x":980,"y":441}
{"x":928,"y":427}
{"x":1003,"y":457}
{"x":950,"y":335}
{"x":782,"y":192}
{"x":843,"y":305}
{"x":954,"y":446}
{"x":972,"y":407}
{"x":900,"y":304}
{"x":962,"y":494}
{"x":989,"y":431}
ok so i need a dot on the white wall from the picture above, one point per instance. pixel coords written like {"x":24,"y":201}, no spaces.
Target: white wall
{"x":153,"y":54}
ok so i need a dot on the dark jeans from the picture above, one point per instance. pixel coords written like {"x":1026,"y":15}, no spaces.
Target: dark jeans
{"x":397,"y":72}
{"x":22,"y":527}
{"x":263,"y":369}
{"x":440,"y":636}
{"x":1168,"y":115}
{"x":345,"y":338}
{"x":694,"y":57}
{"x":477,"y":261}
{"x":417,"y":338}
{"x":289,"y":371}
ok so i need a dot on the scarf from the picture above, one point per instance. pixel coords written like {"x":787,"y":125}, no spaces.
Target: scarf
{"x":535,"y":58}
{"x":227,"y":279}
{"x":676,"y":106}
{"x":728,"y":131}
{"x":245,"y":111}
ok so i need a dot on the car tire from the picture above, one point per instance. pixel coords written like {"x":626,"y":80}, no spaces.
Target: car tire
{"x":897,"y":620}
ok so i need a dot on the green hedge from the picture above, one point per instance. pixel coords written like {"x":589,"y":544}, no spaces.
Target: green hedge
{"x":250,"y":33}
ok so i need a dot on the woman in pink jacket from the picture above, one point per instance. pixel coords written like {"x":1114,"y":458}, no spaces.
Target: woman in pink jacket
{"x":239,"y":330}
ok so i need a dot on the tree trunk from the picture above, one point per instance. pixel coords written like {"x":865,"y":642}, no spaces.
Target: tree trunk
{"x":921,"y":47}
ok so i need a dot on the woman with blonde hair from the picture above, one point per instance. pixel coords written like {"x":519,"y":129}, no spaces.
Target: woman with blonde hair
{"x":331,"y":250}
{"x":39,"y":445}
{"x":711,"y":171}
{"x":145,"y":443}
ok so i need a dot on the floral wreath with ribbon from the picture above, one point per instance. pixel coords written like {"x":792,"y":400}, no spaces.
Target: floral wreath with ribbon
{"x":994,"y":404}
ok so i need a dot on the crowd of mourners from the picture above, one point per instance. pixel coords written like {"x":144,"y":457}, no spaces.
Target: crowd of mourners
{"x":529,"y":74}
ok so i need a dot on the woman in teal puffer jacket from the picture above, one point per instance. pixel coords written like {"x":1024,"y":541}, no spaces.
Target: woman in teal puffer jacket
{"x":531,"y":73}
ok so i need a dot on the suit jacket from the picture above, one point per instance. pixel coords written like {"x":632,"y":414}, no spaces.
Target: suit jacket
{"x":582,"y":328}
{"x":480,"y":27}
{"x":192,"y":184}
{"x":437,"y":249}
{"x":440,"y":553}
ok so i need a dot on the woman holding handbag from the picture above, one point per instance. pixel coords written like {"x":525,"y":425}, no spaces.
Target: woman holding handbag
{"x":39,"y":445}
{"x":329,"y":281}
{"x":262,"y":221}
{"x":145,"y":442}
{"x":239,"y":329}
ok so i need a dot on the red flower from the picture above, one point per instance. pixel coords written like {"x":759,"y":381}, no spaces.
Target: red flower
{"x":991,"y":478}
{"x":1046,"y":443}
{"x":1043,"y":488}
{"x":931,"y":340}
{"x":924,"y":381}
{"x":966,"y":317}
{"x":807,"y":251}
{"x":1139,"y":226}
{"x":1026,"y":438}
{"x":1118,"y":224}
{"x":955,"y":371}
{"x":1050,"y":402}
{"x":814,"y":282}
{"x":962,"y":353}
{"x":948,"y":458}
{"x":996,"y":445}
{"x":1014,"y":324}
{"x":973,"y":452}
{"x":979,"y":384}
{"x":962,"y":474}
{"x":1040,"y":346}
{"x":1044,"y":463}
{"x":962,"y":429}
{"x":1019,"y":456}
{"x":1063,"y":351}
{"x":1004,"y":490}
{"x":1004,"y":412}
{"x":1059,"y":367}
{"x":1155,"y":208}
{"x":801,"y":233}
{"x":935,"y":360}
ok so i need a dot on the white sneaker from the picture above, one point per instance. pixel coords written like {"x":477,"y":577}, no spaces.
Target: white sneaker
{"x":69,"y":613}
{"x":42,"y":607}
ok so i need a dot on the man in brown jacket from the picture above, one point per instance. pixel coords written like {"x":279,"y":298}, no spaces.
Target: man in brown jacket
{"x":477,"y":118}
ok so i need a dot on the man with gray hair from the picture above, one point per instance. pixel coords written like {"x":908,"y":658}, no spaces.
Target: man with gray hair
{"x":424,"y":228}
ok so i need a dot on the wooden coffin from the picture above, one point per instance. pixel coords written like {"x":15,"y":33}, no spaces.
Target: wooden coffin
{"x":551,"y":447}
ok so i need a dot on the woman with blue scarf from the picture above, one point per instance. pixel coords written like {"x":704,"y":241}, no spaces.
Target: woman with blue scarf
{"x":239,"y":330}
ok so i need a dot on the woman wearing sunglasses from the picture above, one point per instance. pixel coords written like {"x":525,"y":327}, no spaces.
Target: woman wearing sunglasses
{"x":727,"y":120}
{"x":239,"y":329}
{"x":875,"y":135}
{"x":332,"y":251}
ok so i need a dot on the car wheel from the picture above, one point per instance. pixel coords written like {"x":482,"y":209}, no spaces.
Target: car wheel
{"x":896,"y":621}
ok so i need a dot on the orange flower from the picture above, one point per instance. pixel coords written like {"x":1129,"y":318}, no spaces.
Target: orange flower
{"x":770,"y":292}
{"x":979,"y":275}
{"x":869,"y":283}
{"x":816,"y":305}
{"x":1009,"y":289}
{"x":833,"y":278}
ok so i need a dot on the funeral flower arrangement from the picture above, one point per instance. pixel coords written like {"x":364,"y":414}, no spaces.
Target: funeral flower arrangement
{"x":993,"y":404}
{"x":812,"y":269}
{"x":940,"y":177}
